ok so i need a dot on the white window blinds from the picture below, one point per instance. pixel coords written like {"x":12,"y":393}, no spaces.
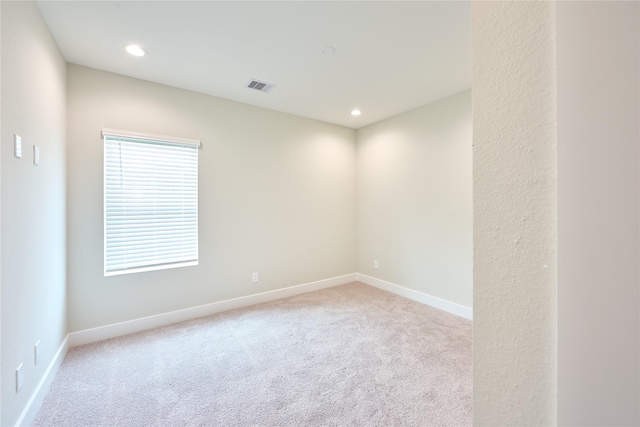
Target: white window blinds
{"x":150,"y":202}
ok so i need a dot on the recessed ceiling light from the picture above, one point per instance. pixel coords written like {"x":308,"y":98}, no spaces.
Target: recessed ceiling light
{"x":356,"y":112}
{"x":135,"y":50}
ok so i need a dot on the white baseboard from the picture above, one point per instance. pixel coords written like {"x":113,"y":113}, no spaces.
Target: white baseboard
{"x":439,"y":303}
{"x":137,"y":325}
{"x":35,"y":402}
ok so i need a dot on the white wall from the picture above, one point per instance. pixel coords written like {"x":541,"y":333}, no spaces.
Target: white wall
{"x":33,"y":218}
{"x":515,"y":235}
{"x":598,"y":168}
{"x":415,"y":202}
{"x":276,"y":196}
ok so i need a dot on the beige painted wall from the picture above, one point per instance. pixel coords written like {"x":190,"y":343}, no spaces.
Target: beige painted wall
{"x":515,"y":233}
{"x":33,"y":301}
{"x":414,"y":199}
{"x":276,"y":196}
{"x":599,"y":210}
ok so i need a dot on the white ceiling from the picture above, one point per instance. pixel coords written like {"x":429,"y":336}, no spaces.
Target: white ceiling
{"x":390,"y":57}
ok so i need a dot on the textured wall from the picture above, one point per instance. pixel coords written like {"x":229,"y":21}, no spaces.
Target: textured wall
{"x":276,"y":196}
{"x":598,"y":208}
{"x":415,"y":202}
{"x":514,"y":186}
{"x":33,"y":202}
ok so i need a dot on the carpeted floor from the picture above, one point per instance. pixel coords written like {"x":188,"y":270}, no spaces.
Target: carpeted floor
{"x":350,"y":355}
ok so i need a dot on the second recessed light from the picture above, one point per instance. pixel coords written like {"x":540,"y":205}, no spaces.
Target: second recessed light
{"x":356,"y":112}
{"x":135,"y":50}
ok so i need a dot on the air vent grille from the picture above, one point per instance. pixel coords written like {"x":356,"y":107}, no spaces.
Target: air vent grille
{"x":261,"y":86}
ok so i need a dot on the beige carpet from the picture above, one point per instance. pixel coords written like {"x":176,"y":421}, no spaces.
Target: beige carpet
{"x":351,"y":355}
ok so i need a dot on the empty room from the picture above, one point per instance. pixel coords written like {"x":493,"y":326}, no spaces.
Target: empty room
{"x":300,"y":213}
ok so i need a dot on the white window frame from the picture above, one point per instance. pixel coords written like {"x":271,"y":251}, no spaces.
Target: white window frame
{"x":157,"y":140}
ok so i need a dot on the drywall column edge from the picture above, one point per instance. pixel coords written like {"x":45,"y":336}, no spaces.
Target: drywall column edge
{"x":515,"y":235}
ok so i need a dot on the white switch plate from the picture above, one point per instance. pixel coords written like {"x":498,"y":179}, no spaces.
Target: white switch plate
{"x":35,"y":353}
{"x":254,"y":277}
{"x":17,"y":139}
{"x":375,"y":264}
{"x":36,"y":155}
{"x":19,"y":378}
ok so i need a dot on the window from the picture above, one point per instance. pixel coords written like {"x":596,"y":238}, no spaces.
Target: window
{"x":150,"y":202}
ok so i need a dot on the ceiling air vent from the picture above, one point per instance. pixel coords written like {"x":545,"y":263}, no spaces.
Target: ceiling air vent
{"x":261,"y":86}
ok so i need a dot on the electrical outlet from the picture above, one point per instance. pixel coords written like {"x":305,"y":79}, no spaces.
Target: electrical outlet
{"x":19,"y":378}
{"x":35,"y":352}
{"x":375,"y":265}
{"x":254,"y":277}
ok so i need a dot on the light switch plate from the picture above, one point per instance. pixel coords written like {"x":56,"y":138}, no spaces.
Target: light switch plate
{"x":36,"y":155}
{"x":19,"y":378}
{"x":17,"y":139}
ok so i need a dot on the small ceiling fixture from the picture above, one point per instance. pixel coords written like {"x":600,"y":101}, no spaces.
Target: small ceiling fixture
{"x":135,"y":50}
{"x":328,"y":50}
{"x":356,"y":112}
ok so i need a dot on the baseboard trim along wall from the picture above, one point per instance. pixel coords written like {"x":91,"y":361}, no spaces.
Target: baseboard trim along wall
{"x":118,"y":329}
{"x":439,"y":303}
{"x":33,"y":405}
